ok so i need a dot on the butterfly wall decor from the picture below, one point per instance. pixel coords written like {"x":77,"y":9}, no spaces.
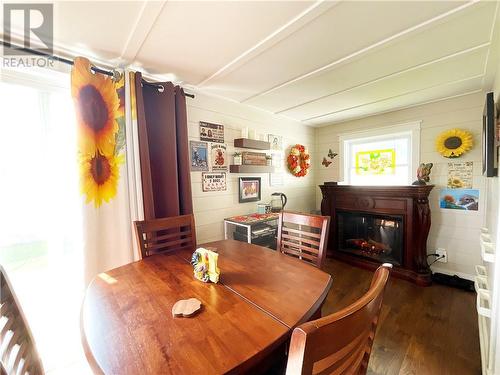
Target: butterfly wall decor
{"x":331,"y":155}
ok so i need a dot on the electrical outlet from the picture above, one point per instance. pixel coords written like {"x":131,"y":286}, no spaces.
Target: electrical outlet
{"x":442,"y":256}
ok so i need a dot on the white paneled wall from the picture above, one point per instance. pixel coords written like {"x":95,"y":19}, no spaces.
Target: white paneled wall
{"x":456,"y":231}
{"x":210,"y":208}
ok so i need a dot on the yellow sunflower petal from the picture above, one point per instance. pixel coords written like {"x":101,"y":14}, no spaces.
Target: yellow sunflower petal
{"x":97,"y":108}
{"x":99,"y":176}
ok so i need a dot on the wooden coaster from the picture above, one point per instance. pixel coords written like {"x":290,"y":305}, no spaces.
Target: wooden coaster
{"x":186,"y":307}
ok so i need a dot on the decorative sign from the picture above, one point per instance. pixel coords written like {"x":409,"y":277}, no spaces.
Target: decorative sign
{"x":276,"y":142}
{"x":199,"y":155}
{"x":218,"y":157}
{"x":211,"y":132}
{"x":460,"y":175}
{"x":214,"y":181}
{"x":376,"y":162}
{"x":278,"y":177}
{"x":459,"y":199}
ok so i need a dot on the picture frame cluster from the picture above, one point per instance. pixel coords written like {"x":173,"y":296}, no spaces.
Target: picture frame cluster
{"x":209,"y":156}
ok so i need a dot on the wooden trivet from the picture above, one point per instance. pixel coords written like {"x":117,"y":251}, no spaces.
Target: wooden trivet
{"x":186,"y":307}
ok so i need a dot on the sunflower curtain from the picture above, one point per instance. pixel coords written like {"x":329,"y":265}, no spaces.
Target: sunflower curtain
{"x":109,"y":178}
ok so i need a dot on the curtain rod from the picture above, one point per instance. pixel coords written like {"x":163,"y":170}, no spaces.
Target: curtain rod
{"x":110,"y":73}
{"x":160,"y":87}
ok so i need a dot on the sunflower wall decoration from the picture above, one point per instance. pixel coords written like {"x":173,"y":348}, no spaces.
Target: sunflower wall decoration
{"x":453,"y":143}
{"x":99,"y":106}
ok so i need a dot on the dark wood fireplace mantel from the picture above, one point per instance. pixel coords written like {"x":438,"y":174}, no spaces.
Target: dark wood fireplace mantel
{"x":411,"y":202}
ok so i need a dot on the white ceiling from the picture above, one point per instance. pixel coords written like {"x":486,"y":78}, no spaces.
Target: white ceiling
{"x":316,"y":62}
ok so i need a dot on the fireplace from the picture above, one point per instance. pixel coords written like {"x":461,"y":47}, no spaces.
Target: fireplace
{"x":371,"y":225}
{"x":378,"y":237}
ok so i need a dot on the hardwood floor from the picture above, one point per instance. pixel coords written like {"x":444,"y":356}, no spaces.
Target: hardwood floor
{"x":422,"y":331}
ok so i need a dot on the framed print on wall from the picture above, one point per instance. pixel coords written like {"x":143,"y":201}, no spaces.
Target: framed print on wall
{"x":218,"y":157}
{"x":199,"y":155}
{"x":211,"y":132}
{"x":249,"y":189}
{"x":276,"y":142}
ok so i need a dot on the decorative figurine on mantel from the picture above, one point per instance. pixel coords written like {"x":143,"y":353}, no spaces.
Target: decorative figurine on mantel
{"x":423,"y":174}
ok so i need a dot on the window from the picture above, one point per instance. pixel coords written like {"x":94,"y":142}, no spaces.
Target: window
{"x":386,"y":156}
{"x":40,"y":216}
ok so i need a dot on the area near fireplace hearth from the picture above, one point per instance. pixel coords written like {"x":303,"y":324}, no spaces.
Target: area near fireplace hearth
{"x":374,"y":225}
{"x":453,"y":230}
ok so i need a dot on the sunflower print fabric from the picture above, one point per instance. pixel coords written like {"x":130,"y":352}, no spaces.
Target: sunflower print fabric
{"x":99,"y":107}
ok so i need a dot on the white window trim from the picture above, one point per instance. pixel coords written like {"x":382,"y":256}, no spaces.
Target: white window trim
{"x":395,"y":129}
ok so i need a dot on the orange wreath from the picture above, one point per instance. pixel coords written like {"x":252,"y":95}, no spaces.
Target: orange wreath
{"x":298,"y":161}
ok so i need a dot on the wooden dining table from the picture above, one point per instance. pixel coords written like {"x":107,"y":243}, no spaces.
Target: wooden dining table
{"x":128,"y":328}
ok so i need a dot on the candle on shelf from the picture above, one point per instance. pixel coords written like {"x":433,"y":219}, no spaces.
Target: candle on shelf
{"x":244,"y":132}
{"x":252,"y":134}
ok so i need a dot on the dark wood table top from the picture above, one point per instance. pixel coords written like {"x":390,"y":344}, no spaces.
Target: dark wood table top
{"x":128,"y":328}
{"x":288,"y":289}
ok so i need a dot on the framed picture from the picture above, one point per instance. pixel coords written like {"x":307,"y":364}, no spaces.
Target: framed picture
{"x":249,"y":189}
{"x":199,"y":155}
{"x":211,"y":132}
{"x":276,"y":142}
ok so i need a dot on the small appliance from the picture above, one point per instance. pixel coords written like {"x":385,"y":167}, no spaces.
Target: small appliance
{"x":278,"y":202}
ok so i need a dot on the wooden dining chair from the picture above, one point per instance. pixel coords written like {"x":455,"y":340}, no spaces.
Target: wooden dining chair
{"x":303,"y":236}
{"x":18,"y":354}
{"x":165,"y":235}
{"x":340,"y":343}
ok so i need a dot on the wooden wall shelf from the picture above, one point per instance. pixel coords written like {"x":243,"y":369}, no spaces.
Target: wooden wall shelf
{"x":251,"y":169}
{"x":251,"y":143}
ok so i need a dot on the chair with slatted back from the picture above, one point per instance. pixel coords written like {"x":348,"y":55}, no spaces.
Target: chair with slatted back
{"x":303,"y":236}
{"x":18,"y":352}
{"x":340,"y":343}
{"x":165,"y":235}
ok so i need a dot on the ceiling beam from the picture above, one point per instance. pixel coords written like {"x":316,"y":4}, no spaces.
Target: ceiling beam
{"x":320,"y":125}
{"x":306,"y":16}
{"x":306,"y":120}
{"x":139,"y":32}
{"x":391,"y":75}
{"x":365,"y":50}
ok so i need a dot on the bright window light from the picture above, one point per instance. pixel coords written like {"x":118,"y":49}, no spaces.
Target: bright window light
{"x":382,"y":157}
{"x":41,"y":213}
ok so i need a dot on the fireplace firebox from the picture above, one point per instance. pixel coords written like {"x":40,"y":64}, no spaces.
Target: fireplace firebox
{"x":378,"y":237}
{"x":371,"y":225}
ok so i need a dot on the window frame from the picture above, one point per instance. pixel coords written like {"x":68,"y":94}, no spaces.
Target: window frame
{"x":411,"y":129}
